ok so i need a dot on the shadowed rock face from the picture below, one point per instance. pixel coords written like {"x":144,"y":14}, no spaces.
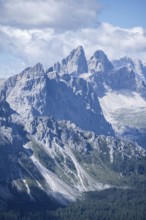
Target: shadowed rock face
{"x":138,"y":69}
{"x":12,"y":138}
{"x":122,"y":79}
{"x":99,"y":62}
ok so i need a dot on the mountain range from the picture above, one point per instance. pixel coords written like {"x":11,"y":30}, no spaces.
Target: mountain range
{"x":78,"y":126}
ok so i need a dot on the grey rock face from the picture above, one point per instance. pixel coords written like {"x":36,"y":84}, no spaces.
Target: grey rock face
{"x":74,"y":64}
{"x":138,"y":69}
{"x":99,"y":62}
{"x":122,"y":79}
{"x":65,"y":98}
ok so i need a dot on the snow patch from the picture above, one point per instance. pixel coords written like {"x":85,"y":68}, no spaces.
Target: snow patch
{"x":85,"y":76}
{"x":28,"y":189}
{"x":114,"y":103}
{"x":114,"y":100}
{"x":111,"y":152}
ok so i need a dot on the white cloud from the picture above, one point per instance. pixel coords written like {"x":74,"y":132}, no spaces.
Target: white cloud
{"x":47,"y":30}
{"x":25,"y":47}
{"x":59,"y":14}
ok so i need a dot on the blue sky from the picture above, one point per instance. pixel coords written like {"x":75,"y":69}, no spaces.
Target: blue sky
{"x":124,"y":13}
{"x":47,"y":30}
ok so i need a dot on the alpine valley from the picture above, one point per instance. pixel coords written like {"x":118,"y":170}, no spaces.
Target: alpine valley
{"x":75,"y":128}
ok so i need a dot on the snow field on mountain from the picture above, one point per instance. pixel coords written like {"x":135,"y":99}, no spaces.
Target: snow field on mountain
{"x":121,"y":109}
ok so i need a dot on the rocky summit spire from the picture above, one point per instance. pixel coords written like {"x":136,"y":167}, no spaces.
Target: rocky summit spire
{"x":75,"y":63}
{"x":99,"y":62}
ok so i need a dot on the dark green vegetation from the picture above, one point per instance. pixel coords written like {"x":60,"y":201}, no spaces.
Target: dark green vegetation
{"x":110,"y":204}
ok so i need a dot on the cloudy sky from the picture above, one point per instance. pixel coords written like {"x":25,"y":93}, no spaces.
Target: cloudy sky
{"x":45,"y":31}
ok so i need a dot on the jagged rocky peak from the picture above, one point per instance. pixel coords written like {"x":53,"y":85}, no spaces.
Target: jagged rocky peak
{"x":37,"y":69}
{"x":29,"y":77}
{"x":75,"y":63}
{"x":132,"y":64}
{"x":99,"y":62}
{"x":25,"y":89}
{"x":31,"y":72}
{"x":122,"y":78}
{"x":123,"y":62}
